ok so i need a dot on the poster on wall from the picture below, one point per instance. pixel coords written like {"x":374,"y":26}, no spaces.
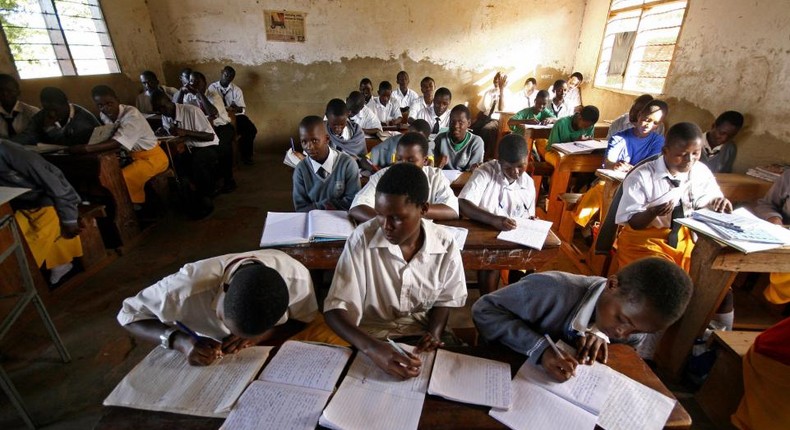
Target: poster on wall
{"x":284,"y":26}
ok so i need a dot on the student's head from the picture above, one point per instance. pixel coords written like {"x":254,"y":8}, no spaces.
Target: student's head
{"x":639,"y":104}
{"x":530,"y":84}
{"x":106,"y":101}
{"x":441,"y":101}
{"x":9,"y":91}
{"x":54,"y":103}
{"x":184,"y":76}
{"x":513,"y":156}
{"x":645,"y":296}
{"x":586,"y":118}
{"x":336,"y":116}
{"x":575,"y":80}
{"x":150,"y":81}
{"x":403,"y":80}
{"x":650,"y":117}
{"x":401,"y":201}
{"x":726,"y":126}
{"x":413,"y":149}
{"x":459,"y":121}
{"x":197,"y":81}
{"x":313,"y":137}
{"x":559,"y":87}
{"x":366,"y":88}
{"x":541,"y":98}
{"x":427,"y":86}
{"x":255,"y":299}
{"x":385,"y":92}
{"x":162,"y":104}
{"x":355,"y":102}
{"x":227,"y":76}
{"x":421,"y":126}
{"x":682,"y":147}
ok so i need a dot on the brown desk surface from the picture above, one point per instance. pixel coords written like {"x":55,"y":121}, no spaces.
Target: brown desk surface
{"x":437,"y":413}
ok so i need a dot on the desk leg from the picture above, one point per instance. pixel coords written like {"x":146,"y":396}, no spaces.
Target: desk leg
{"x":559,"y":184}
{"x":111,"y":178}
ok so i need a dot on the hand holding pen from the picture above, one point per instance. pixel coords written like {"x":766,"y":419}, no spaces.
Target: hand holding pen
{"x":200,"y":351}
{"x":394,"y":360}
{"x":558,"y":365}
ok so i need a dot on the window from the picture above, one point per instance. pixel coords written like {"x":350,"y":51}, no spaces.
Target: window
{"x":57,"y":38}
{"x":638,"y":44}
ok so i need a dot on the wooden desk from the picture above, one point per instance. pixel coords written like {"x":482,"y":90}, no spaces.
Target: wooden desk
{"x":600,"y":131}
{"x":370,"y":142}
{"x":564,"y":166}
{"x":437,"y":413}
{"x":482,"y":251}
{"x":740,"y":188}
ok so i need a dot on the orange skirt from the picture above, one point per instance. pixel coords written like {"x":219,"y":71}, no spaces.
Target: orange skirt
{"x":635,"y":245}
{"x":766,"y":394}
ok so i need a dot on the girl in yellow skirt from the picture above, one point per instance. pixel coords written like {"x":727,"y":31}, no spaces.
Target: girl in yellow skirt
{"x":775,"y":208}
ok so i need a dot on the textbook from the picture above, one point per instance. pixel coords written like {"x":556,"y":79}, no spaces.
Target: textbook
{"x":617,"y":175}
{"x":755,"y":235}
{"x":469,"y":379}
{"x":293,"y":228}
{"x":102,"y":133}
{"x":451,"y":175}
{"x":164,"y":381}
{"x":292,"y":389}
{"x":581,"y":146}
{"x":529,"y":232}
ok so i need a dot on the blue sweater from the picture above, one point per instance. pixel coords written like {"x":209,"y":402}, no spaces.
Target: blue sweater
{"x":335,"y":192}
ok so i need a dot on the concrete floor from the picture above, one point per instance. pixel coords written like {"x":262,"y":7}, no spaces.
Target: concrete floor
{"x":69,"y":396}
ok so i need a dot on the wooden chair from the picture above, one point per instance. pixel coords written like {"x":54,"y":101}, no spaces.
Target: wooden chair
{"x":504,"y":130}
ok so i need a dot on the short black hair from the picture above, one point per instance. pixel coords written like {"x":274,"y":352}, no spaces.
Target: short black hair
{"x":421,"y":126}
{"x":441,"y":92}
{"x":149,"y":74}
{"x":257,"y":297}
{"x":578,"y":76}
{"x":385,"y":86}
{"x":413,"y":138}
{"x":102,"y":91}
{"x":8,"y":79}
{"x":644,"y":98}
{"x":654,"y":106}
{"x":590,"y":113}
{"x":512,"y":148}
{"x":336,"y":107}
{"x":732,"y":117}
{"x":355,"y":98}
{"x":311,"y":121}
{"x":426,"y":79}
{"x":404,"y":179}
{"x":198,"y":75}
{"x":365,"y":81}
{"x":659,"y":283}
{"x":53,"y":95}
{"x":230,"y":70}
{"x":558,"y":83}
{"x":542,"y":93}
{"x":402,"y":72}
{"x":461,"y":109}
{"x":682,"y":133}
{"x":534,"y":82}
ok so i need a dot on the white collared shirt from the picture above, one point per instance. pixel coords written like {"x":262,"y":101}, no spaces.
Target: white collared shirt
{"x":378,"y":288}
{"x":490,"y":189}
{"x":143,"y":102}
{"x":230,"y":95}
{"x":439,"y":191}
{"x":650,"y":181}
{"x":190,"y":117}
{"x":428,"y":115}
{"x":404,"y":101}
{"x":562,"y":110}
{"x":522,"y":100}
{"x":133,"y":131}
{"x":581,"y":321}
{"x":328,"y":164}
{"x":386,"y":113}
{"x":489,"y":98}
{"x":22,"y":113}
{"x":418,"y":106}
{"x":216,"y":99}
{"x":366,"y":119}
{"x":192,"y":295}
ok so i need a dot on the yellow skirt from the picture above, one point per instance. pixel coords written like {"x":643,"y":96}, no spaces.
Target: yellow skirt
{"x":778,"y":291}
{"x":41,"y":229}
{"x":766,"y":394}
{"x":635,"y":245}
{"x":145,"y":166}
{"x":589,"y":205}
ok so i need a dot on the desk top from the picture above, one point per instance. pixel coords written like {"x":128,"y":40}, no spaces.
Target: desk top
{"x":9,"y":193}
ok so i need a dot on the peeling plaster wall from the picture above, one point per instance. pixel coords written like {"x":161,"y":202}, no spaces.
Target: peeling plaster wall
{"x":731,"y":55}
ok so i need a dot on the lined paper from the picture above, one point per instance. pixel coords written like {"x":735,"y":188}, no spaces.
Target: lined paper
{"x":469,"y":379}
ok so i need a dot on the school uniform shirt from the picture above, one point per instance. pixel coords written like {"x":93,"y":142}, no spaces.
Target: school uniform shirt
{"x":143,"y":101}
{"x":461,"y":155}
{"x":489,"y":103}
{"x":573,"y":98}
{"x":383,"y":292}
{"x":646,"y":183}
{"x":491,"y":190}
{"x":418,"y":106}
{"x":133,"y":131}
{"x":627,"y":146}
{"x":720,"y":158}
{"x":76,"y":131}
{"x":17,"y":120}
{"x":428,"y":115}
{"x":335,"y":190}
{"x":366,"y":118}
{"x":405,"y":100}
{"x":623,"y":123}
{"x":192,"y":295}
{"x":563,"y":132}
{"x":777,"y":202}
{"x":230,"y":95}
{"x":439,"y":191}
{"x":386,"y":113}
{"x":522,"y":100}
{"x":559,"y":304}
{"x":529,"y":113}
{"x":216,"y":99}
{"x":190,"y":117}
{"x":560,"y":111}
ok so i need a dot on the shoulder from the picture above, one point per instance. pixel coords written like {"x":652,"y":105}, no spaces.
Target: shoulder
{"x":344,"y":160}
{"x":444,"y":238}
{"x":475,"y":139}
{"x":489,"y":168}
{"x":362,"y":235}
{"x":278,"y":260}
{"x":643,"y":172}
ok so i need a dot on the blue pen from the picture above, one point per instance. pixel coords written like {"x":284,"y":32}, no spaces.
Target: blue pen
{"x":188,"y":331}
{"x":293,"y":148}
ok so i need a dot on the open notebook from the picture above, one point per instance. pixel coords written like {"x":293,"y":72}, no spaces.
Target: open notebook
{"x":292,"y":228}
{"x":529,"y":232}
{"x":758,"y":235}
{"x":581,"y":147}
{"x":102,"y":133}
{"x":469,"y":379}
{"x":292,"y":389}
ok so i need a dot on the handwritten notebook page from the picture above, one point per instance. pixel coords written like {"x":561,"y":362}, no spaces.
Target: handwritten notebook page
{"x":164,"y":381}
{"x":589,"y":389}
{"x":632,"y":405}
{"x":468,"y":379}
{"x":307,"y":365}
{"x":284,"y":228}
{"x":536,"y":408}
{"x":529,"y":232}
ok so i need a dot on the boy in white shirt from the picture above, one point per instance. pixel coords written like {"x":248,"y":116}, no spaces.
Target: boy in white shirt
{"x":150,"y":84}
{"x":366,"y":88}
{"x":526,"y":97}
{"x":361,"y":114}
{"x":404,"y":95}
{"x":16,"y":115}
{"x":233,"y":99}
{"x":386,"y":109}
{"x":557,"y":104}
{"x":494,"y":100}
{"x":427,"y":87}
{"x":437,"y":113}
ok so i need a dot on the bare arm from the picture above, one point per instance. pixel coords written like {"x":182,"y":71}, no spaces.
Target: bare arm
{"x":642,"y":220}
{"x":99,"y":147}
{"x":200,"y":352}
{"x":475,"y":212}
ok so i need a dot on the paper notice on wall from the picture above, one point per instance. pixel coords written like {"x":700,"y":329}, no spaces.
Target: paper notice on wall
{"x":284,"y":26}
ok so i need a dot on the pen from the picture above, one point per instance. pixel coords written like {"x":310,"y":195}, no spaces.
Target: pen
{"x":556,"y":350}
{"x":188,"y":331}
{"x":397,"y":348}
{"x":292,"y":145}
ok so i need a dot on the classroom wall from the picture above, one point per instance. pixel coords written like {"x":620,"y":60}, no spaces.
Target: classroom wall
{"x":459,"y":44}
{"x":731,"y":55}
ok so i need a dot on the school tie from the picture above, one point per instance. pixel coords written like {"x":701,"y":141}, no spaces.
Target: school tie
{"x":9,"y":120}
{"x":435,"y":128}
{"x":322,"y":173}
{"x":677,"y":212}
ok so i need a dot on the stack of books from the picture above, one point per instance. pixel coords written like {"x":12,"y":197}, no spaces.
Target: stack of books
{"x":769,"y":173}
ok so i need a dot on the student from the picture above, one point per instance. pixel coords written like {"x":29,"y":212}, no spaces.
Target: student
{"x":648,"y":229}
{"x":366,"y":88}
{"x":344,"y":135}
{"x":627,"y":148}
{"x":386,"y":110}
{"x":587,"y":312}
{"x":385,"y":153}
{"x":325,"y":179}
{"x":200,"y":161}
{"x":231,"y":302}
{"x":399,"y":275}
{"x":404,"y":95}
{"x":436,"y":114}
{"x":150,"y":84}
{"x":538,"y":113}
{"x":578,"y":126}
{"x":558,"y":106}
{"x":525,"y":98}
{"x":774,"y":207}
{"x":427,"y":87}
{"x":630,"y":118}
{"x":718,"y":152}
{"x":413,"y":149}
{"x":361,"y":114}
{"x":458,"y":148}
{"x":572,"y":94}
{"x":494,"y":100}
{"x":498,"y":192}
{"x":233,"y":99}
{"x":16,"y":114}
{"x":58,"y":122}
{"x":184,"y":77}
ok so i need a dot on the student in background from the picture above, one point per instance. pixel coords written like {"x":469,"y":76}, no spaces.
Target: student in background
{"x":774,"y":207}
{"x":326,"y":179}
{"x":385,"y":153}
{"x":588,"y":312}
{"x":398,"y":276}
{"x":578,"y":126}
{"x":494,"y":100}
{"x":436,"y":114}
{"x":47,"y":214}
{"x":366,"y":88}
{"x":344,"y":135}
{"x":150,"y":84}
{"x":627,"y":148}
{"x":386,"y":110}
{"x":427,"y":87}
{"x":525,"y":98}
{"x":458,"y":148}
{"x":413,"y":149}
{"x":572,"y":94}
{"x":630,"y":118}
{"x":404,"y":95}
{"x":58,"y":122}
{"x":183,"y":76}
{"x":499,"y":192}
{"x":16,"y":114}
{"x":230,"y":302}
{"x":558,"y":106}
{"x":361,"y":114}
{"x":537,"y":114}
{"x":233,"y":99}
{"x":719,"y":150}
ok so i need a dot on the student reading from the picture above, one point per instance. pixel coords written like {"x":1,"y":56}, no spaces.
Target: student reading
{"x":230,"y":302}
{"x":586,"y":311}
{"x":150,"y":84}
{"x":385,"y":153}
{"x":344,"y":135}
{"x":399,"y":275}
{"x":58,"y":122}
{"x":536,"y":114}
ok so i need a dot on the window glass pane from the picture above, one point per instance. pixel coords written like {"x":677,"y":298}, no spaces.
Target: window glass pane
{"x":622,"y":4}
{"x":82,"y":24}
{"x":29,"y":40}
